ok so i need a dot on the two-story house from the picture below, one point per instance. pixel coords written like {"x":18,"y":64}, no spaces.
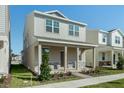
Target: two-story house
{"x":110,"y":46}
{"x":4,"y":39}
{"x":62,"y":38}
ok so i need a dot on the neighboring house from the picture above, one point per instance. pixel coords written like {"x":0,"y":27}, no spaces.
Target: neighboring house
{"x":16,"y":59}
{"x":4,"y":39}
{"x":109,"y":49}
{"x":64,"y":39}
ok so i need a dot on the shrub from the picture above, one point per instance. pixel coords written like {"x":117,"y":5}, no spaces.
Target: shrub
{"x":45,"y":69}
{"x":2,"y":79}
{"x":69,"y":73}
{"x":61,"y":74}
{"x":120,"y":63}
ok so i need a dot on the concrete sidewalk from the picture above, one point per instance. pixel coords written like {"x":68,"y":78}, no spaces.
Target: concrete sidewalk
{"x":82,"y":82}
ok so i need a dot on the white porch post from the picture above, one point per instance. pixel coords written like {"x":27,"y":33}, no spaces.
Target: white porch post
{"x":112,"y":59}
{"x":94,"y":58}
{"x":65,"y":58}
{"x":39,"y":57}
{"x":77,"y":61}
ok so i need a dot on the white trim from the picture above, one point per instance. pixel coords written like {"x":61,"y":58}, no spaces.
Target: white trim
{"x":53,"y":11}
{"x":64,"y":42}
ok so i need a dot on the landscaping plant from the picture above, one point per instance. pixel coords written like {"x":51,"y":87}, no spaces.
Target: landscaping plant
{"x":120,"y":63}
{"x":45,"y":69}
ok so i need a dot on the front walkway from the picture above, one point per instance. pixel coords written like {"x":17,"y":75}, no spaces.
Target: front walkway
{"x":82,"y":82}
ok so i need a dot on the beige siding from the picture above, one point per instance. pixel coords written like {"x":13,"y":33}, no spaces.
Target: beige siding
{"x":92,"y":36}
{"x":4,"y":37}
{"x":40,"y":30}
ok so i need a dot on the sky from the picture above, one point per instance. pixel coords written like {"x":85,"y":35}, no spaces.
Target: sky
{"x":96,"y":17}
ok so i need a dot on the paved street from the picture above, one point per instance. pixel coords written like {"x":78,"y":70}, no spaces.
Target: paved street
{"x":82,"y":82}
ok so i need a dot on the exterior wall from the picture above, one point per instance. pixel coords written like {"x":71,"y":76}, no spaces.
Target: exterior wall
{"x":4,"y":37}
{"x":40,"y":30}
{"x":29,"y":44}
{"x":89,"y":57}
{"x":2,"y":18}
{"x":100,"y":37}
{"x":113,"y":34}
{"x":107,"y":56}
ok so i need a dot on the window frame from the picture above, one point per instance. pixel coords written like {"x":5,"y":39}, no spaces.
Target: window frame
{"x":56,"y":27}
{"x":74,"y":30}
{"x":46,"y":25}
{"x":117,"y":39}
{"x":53,"y":27}
{"x":104,"y":38}
{"x":71,"y":30}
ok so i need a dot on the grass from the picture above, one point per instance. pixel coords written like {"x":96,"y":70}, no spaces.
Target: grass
{"x":105,"y":71}
{"x":113,"y":84}
{"x":21,"y":77}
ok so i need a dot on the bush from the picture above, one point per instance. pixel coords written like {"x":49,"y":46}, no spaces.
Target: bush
{"x":120,"y":63}
{"x":2,"y":79}
{"x":69,"y":73}
{"x":61,"y":74}
{"x":45,"y":69}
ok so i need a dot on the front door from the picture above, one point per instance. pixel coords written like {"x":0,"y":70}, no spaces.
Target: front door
{"x":62,"y":58}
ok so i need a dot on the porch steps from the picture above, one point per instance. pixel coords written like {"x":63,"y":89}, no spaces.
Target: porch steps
{"x":81,"y":75}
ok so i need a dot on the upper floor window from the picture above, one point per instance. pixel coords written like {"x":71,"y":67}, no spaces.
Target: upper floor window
{"x":52,"y":26}
{"x":56,"y":26}
{"x":104,"y":38}
{"x":76,"y":30}
{"x":49,"y":25}
{"x":73,"y":30}
{"x":117,"y":39}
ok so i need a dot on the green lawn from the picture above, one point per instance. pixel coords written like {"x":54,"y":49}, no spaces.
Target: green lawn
{"x":113,"y":84}
{"x":105,"y":71}
{"x":21,"y":77}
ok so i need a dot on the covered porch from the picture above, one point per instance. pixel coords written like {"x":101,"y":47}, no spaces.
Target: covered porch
{"x":108,"y":57}
{"x":63,"y":57}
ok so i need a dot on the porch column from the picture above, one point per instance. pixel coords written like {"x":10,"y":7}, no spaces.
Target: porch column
{"x":94,"y":58}
{"x":77,"y":61}
{"x":112,"y":59}
{"x":39,"y":57}
{"x":65,"y":58}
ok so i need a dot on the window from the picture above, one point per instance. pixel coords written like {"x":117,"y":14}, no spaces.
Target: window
{"x":104,"y":38}
{"x":45,"y":50}
{"x":48,"y":25}
{"x":76,"y":30}
{"x":56,"y":26}
{"x":117,"y":40}
{"x":103,"y":56}
{"x":52,"y":26}
{"x":73,"y":30}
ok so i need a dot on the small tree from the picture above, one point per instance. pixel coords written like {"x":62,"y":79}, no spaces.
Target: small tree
{"x":45,"y":69}
{"x":120,"y":62}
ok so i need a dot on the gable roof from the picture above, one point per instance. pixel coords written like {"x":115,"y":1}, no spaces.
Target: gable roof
{"x":117,"y":30}
{"x":57,"y":13}
{"x":60,"y":18}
